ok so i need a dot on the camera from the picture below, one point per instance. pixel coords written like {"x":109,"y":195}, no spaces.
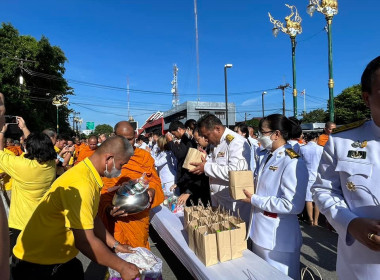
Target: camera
{"x":10,"y":119}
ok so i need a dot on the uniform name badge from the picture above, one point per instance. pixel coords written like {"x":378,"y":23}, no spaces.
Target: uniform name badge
{"x":273,"y":168}
{"x":220,"y":154}
{"x":357,"y":154}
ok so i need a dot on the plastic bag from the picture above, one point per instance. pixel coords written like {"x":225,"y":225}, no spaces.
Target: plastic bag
{"x":145,"y":260}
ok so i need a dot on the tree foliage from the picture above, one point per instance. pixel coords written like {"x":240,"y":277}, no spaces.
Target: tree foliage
{"x":33,"y":100}
{"x":315,"y":116}
{"x":254,"y":123}
{"x":349,"y":106}
{"x":103,"y":128}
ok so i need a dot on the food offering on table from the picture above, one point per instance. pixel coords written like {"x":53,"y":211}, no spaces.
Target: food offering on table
{"x":214,"y":234}
{"x":149,"y":265}
{"x":171,"y":202}
{"x":132,"y":196}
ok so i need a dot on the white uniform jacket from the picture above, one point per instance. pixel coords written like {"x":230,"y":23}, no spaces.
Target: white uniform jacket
{"x":228,"y":155}
{"x":232,"y":153}
{"x":280,"y":189}
{"x":347,"y":187}
{"x":311,"y":153}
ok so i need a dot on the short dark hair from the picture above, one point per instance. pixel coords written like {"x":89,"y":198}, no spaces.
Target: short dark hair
{"x":244,"y":129}
{"x":40,"y":148}
{"x":157,"y":133}
{"x":297,"y":129}
{"x":175,"y":125}
{"x":311,"y":135}
{"x":281,"y":123}
{"x":191,"y":123}
{"x":143,"y":138}
{"x":208,"y":121}
{"x":369,"y":74}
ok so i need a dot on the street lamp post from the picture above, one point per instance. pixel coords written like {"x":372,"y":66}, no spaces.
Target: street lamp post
{"x":225,"y":90}
{"x":292,"y":28}
{"x":329,"y":9}
{"x":58,"y":101}
{"x":262,"y":103}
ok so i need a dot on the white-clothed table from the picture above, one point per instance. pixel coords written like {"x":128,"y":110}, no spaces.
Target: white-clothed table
{"x":170,"y":228}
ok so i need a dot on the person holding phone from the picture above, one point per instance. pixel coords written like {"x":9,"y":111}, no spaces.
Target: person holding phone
{"x":32,"y":175}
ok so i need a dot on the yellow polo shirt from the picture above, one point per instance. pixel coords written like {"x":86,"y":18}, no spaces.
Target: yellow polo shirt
{"x":71,"y":203}
{"x":30,"y":181}
{"x":7,"y":180}
{"x":57,"y":150}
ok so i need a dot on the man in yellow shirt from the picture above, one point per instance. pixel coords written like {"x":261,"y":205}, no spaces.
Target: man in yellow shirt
{"x":66,"y":221}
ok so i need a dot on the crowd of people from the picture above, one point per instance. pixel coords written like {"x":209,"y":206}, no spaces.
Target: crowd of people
{"x":59,"y":189}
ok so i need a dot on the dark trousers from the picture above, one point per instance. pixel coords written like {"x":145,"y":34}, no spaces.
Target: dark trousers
{"x":14,"y":233}
{"x":21,"y":270}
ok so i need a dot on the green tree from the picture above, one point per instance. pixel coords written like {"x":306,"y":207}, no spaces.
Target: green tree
{"x":315,"y":116}
{"x":103,"y":128}
{"x":349,"y":106}
{"x":254,"y":123}
{"x":43,"y":76}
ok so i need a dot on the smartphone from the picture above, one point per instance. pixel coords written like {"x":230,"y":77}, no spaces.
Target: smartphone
{"x":10,"y":119}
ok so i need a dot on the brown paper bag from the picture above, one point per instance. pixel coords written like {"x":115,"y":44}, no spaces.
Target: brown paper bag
{"x":191,"y":228}
{"x":193,"y":155}
{"x":186,"y":212}
{"x":238,"y":236}
{"x":206,"y":248}
{"x":240,"y":180}
{"x":223,"y":240}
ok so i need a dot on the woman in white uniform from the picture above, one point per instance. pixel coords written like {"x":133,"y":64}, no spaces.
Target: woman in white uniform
{"x":280,"y":195}
{"x":311,"y":153}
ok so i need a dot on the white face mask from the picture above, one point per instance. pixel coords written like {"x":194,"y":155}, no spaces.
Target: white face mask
{"x":265,"y":141}
{"x":114,"y":172}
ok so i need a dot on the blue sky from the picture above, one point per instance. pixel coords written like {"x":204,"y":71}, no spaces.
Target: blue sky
{"x":106,"y":41}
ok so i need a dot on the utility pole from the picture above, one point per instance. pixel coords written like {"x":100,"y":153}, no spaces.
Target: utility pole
{"x":175,"y":97}
{"x":129,"y":115}
{"x":262,"y":103}
{"x":283,"y":87}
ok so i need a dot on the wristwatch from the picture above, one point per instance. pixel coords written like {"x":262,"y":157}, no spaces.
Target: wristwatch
{"x":117,"y":243}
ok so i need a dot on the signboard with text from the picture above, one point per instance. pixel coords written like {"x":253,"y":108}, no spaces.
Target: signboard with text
{"x":90,"y":125}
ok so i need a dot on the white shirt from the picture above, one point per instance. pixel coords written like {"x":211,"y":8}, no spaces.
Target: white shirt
{"x":280,"y":189}
{"x":154,"y":150}
{"x":311,"y":153}
{"x":295,"y":145}
{"x":347,"y":187}
{"x":254,"y":156}
{"x":166,"y":164}
{"x":226,"y":156}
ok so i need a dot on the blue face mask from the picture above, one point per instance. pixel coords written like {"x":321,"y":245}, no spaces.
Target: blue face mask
{"x":113,"y":173}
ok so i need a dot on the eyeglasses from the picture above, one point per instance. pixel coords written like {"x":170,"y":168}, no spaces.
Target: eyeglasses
{"x":261,"y":133}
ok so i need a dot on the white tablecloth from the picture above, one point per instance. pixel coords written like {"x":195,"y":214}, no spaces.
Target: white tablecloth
{"x":250,"y":267}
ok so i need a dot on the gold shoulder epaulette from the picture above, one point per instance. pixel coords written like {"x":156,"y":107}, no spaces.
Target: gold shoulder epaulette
{"x":290,"y":152}
{"x":229,"y":138}
{"x":349,"y":126}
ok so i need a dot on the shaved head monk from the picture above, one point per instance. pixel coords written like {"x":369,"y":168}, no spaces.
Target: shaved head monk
{"x":88,"y":150}
{"x":132,"y":230}
{"x":66,"y":222}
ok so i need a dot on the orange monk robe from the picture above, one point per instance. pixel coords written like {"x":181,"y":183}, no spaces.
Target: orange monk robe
{"x":15,"y":149}
{"x":134,"y":229}
{"x":84,"y":153}
{"x":322,"y":139}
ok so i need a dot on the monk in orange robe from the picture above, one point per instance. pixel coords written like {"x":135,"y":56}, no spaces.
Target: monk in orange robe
{"x":87,"y":151}
{"x":11,"y":146}
{"x":323,"y":138}
{"x":130,"y":229}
